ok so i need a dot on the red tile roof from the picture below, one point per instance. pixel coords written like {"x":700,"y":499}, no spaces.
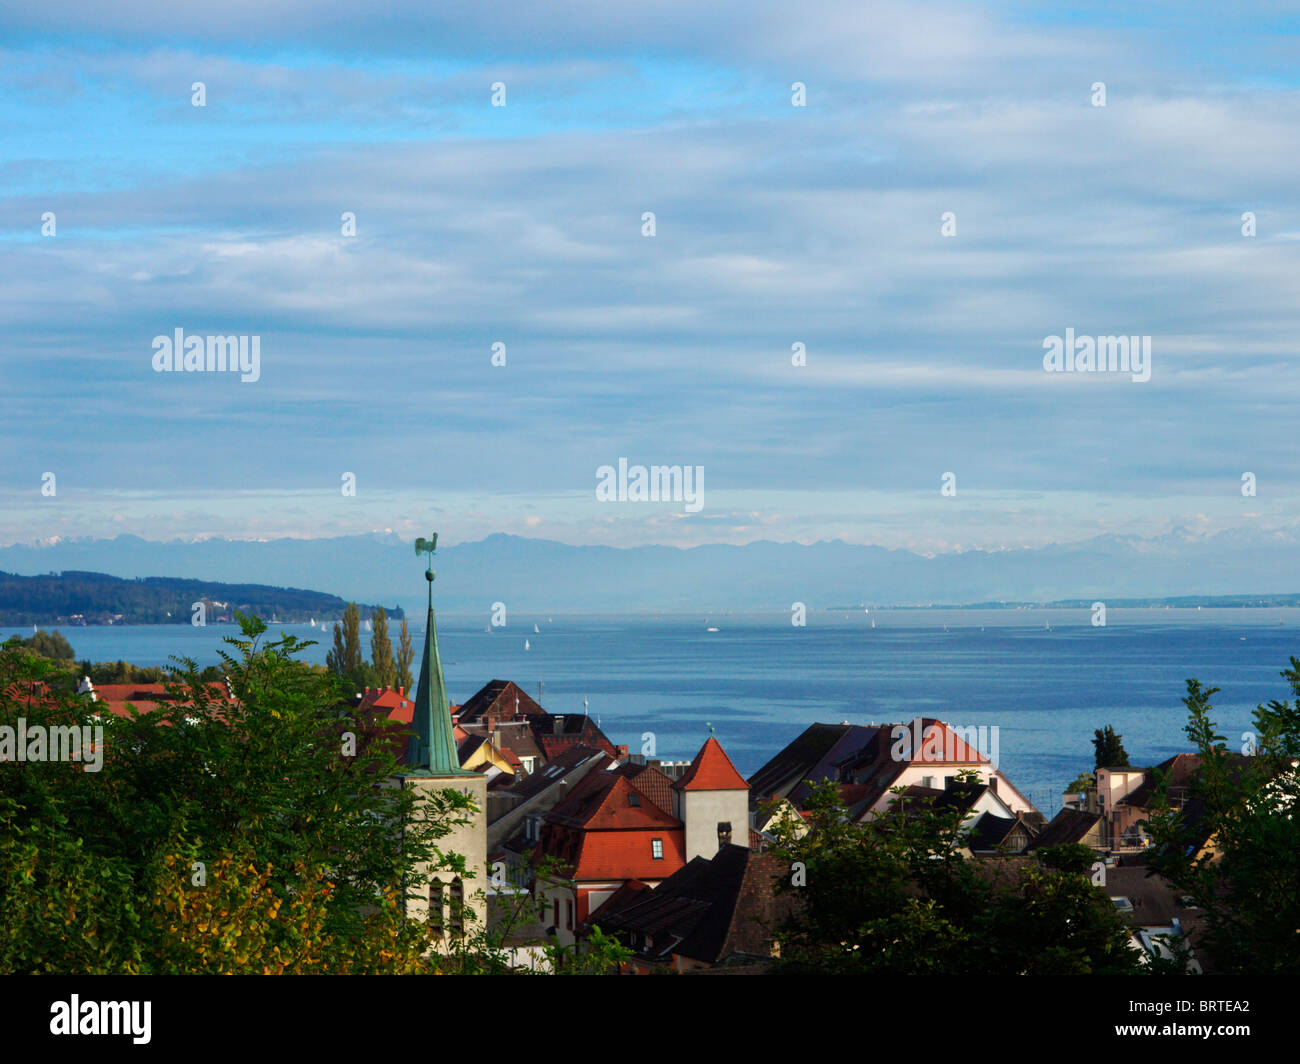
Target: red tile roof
{"x":712,"y":770}
{"x":145,"y":697}
{"x":397,"y":704}
{"x":500,"y":699}
{"x":608,"y":855}
{"x":611,"y":802}
{"x":652,"y":783}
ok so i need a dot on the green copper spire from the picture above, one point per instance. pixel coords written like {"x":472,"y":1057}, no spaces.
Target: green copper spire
{"x":432,"y":749}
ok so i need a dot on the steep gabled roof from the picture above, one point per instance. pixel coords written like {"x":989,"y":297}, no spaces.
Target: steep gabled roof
{"x":798,"y":759}
{"x":556,"y":732}
{"x":498,"y":699}
{"x":650,"y":782}
{"x":1068,"y":826}
{"x":708,"y":911}
{"x":606,"y":801}
{"x":711,"y":770}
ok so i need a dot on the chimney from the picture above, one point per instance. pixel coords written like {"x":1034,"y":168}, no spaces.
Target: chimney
{"x":401,"y":692}
{"x":621,"y":750}
{"x":557,"y":725}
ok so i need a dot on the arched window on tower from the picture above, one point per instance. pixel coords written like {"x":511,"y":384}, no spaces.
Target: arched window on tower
{"x":457,"y":907}
{"x":435,"y":908}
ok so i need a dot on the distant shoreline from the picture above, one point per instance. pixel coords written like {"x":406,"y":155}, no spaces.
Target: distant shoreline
{"x":523,"y":619}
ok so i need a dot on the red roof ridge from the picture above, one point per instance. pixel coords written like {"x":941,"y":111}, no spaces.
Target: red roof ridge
{"x":712,"y":770}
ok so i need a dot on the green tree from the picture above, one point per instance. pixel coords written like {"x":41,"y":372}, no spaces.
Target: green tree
{"x":220,"y":835}
{"x":895,"y":896}
{"x":1234,"y":848}
{"x":345,"y":658}
{"x":50,"y":645}
{"x":1109,"y":749}
{"x":1081,"y":782}
{"x":381,"y":649}
{"x":405,"y":655}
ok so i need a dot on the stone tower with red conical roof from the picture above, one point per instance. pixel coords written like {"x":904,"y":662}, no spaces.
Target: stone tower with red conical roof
{"x":712,"y":802}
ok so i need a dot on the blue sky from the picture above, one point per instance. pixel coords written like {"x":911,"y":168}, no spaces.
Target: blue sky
{"x":775,"y":225}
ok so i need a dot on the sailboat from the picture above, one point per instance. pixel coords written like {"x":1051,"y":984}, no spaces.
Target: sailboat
{"x":526,"y":645}
{"x":535,"y":631}
{"x":368,"y":628}
{"x":313,"y":622}
{"x":873,"y":622}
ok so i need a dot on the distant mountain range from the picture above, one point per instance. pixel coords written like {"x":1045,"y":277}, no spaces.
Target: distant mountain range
{"x":541,"y":575}
{"x":82,"y":598}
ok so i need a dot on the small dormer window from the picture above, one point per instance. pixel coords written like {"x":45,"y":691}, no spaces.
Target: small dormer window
{"x":634,"y":799}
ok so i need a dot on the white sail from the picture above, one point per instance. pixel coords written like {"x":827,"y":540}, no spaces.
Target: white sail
{"x":526,"y":645}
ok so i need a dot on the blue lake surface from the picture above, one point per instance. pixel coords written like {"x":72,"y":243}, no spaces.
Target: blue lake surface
{"x":759,"y":681}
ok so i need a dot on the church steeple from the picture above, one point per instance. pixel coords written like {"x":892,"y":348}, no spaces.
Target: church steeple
{"x":432,"y":749}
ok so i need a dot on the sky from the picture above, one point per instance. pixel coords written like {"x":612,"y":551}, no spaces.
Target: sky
{"x":775,"y":225}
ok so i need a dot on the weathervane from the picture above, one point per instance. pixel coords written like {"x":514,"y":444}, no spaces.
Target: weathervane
{"x":428,"y":546}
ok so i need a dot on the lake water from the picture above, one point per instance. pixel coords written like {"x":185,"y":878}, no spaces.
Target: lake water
{"x":759,"y":681}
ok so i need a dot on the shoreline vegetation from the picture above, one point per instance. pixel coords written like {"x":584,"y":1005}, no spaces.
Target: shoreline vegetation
{"x":76,"y":599}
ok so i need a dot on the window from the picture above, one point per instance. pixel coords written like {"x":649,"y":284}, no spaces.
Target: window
{"x":634,"y":799}
{"x":555,"y":912}
{"x":657,"y":849}
{"x":457,"y":907}
{"x":724,"y":833}
{"x":435,"y":908}
{"x":927,"y":781}
{"x":568,"y":913}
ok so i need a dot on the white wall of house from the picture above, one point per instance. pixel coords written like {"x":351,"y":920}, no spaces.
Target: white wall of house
{"x":703,"y":811}
{"x":937,"y":773}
